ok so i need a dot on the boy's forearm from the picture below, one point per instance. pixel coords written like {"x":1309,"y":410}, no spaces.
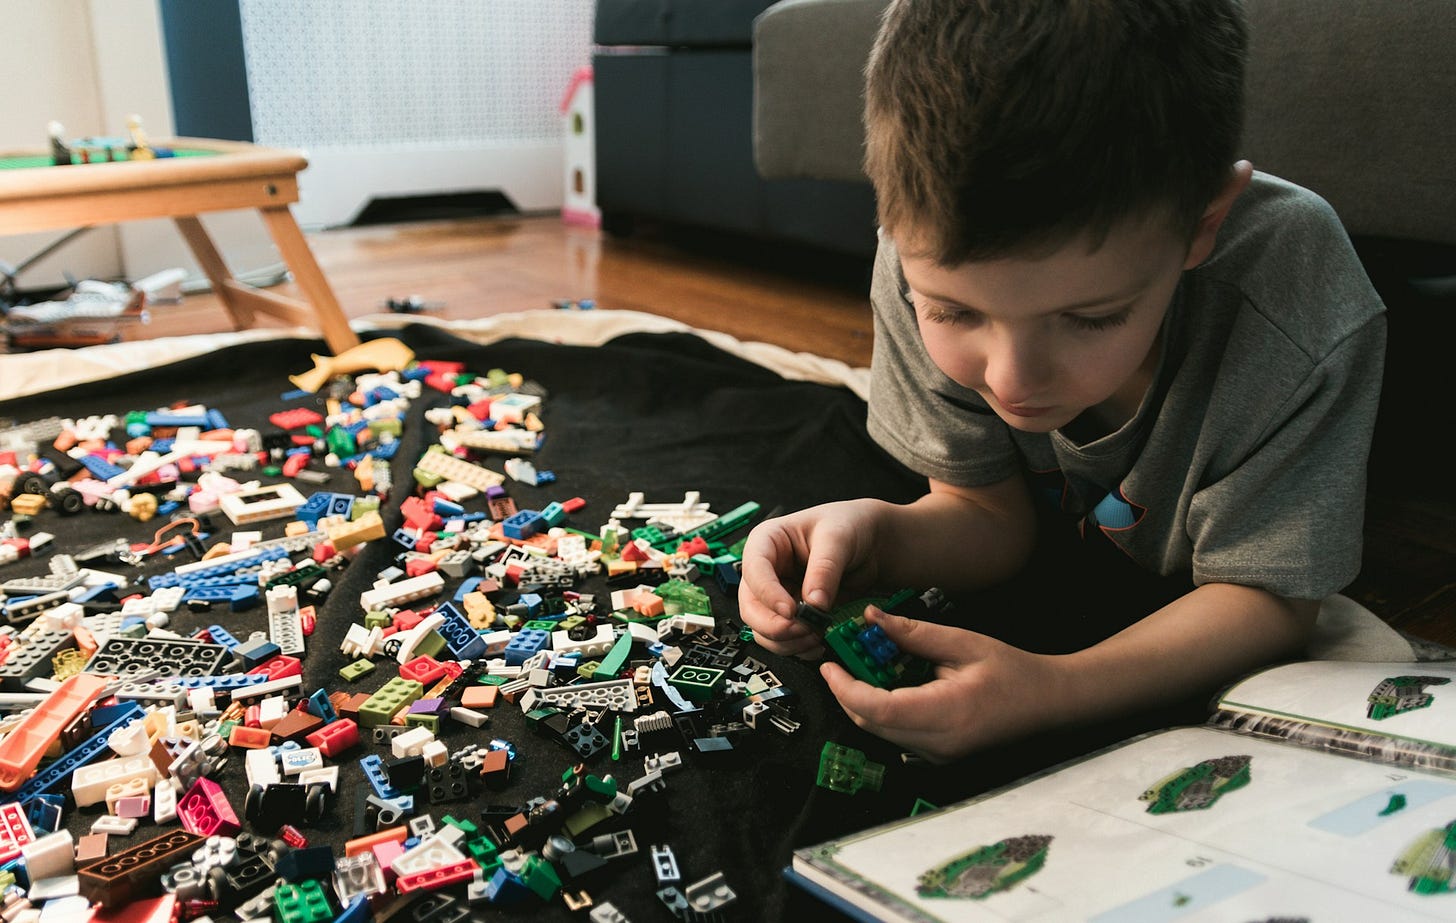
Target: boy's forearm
{"x":1201,"y":640}
{"x":956,"y":541}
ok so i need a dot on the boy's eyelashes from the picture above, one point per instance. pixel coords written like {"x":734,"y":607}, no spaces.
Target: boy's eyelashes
{"x":937,"y":313}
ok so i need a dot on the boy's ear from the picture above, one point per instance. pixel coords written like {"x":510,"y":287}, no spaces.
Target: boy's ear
{"x":1206,"y":235}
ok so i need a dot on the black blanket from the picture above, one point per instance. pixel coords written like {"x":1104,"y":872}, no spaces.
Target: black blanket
{"x":657,"y":413}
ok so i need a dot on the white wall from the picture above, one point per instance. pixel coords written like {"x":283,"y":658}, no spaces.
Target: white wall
{"x":90,"y":64}
{"x":47,"y":72}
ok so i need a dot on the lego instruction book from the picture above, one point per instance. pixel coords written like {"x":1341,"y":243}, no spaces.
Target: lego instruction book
{"x":1317,"y":791}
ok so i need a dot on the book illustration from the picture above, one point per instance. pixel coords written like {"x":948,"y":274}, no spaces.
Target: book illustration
{"x":986,"y":870}
{"x":1397,"y":695}
{"x":1195,"y":788}
{"x":1429,"y":861}
{"x":1364,"y":814}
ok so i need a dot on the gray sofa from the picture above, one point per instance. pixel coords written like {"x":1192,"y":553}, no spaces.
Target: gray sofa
{"x":673,"y":83}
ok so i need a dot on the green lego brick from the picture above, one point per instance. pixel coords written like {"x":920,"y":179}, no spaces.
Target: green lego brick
{"x":377,"y":619}
{"x":394,"y":695}
{"x":356,"y":670}
{"x":697,"y":683}
{"x":541,"y":625}
{"x":588,"y":670}
{"x":304,"y":902}
{"x":429,"y":721}
{"x":432,"y":644}
{"x":538,"y":875}
{"x":616,"y":658}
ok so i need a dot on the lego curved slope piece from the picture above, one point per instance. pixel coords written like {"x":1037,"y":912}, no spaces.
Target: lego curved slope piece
{"x":22,"y":748}
{"x":383,"y":355}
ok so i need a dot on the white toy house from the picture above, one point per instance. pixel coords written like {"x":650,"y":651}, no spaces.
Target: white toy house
{"x":579,"y":152}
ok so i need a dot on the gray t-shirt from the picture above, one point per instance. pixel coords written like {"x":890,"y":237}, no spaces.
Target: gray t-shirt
{"x":1246,"y":461}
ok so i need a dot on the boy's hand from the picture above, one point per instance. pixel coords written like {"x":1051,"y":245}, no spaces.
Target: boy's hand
{"x":807,"y":555}
{"x":984,"y":691}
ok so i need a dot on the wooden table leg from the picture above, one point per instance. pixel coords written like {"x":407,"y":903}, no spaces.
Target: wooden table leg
{"x":215,"y":267}
{"x":293,"y":247}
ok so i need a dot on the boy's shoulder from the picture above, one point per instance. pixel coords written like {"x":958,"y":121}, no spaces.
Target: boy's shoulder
{"x":1285,"y":251}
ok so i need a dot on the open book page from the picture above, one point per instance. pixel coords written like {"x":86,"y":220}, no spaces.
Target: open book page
{"x":1192,"y":824}
{"x":1401,"y":713}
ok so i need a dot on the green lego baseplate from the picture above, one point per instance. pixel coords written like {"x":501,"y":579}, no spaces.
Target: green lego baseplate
{"x":863,"y":649}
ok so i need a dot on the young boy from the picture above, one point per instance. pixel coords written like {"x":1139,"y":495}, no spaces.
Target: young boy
{"x":1089,"y":321}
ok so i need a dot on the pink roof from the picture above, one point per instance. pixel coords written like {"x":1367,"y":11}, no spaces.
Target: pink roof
{"x":583,"y":75}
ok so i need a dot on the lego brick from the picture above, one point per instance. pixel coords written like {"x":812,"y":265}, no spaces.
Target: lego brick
{"x":135,"y":872}
{"x":22,"y":749}
{"x":172,"y":656}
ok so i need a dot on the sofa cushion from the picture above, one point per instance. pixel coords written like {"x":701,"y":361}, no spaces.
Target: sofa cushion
{"x":808,"y":72}
{"x":692,"y":23}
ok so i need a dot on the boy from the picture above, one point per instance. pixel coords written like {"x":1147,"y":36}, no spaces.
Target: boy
{"x":1089,"y":321}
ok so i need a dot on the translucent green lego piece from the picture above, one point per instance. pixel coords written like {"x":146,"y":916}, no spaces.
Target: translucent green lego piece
{"x":847,"y":770}
{"x":681,"y":597}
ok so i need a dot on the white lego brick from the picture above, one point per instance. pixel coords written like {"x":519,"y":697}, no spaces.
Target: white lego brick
{"x":397,"y":594}
{"x":261,"y":767}
{"x":297,"y":761}
{"x":411,"y":742}
{"x":328,"y":775}
{"x":89,"y":783}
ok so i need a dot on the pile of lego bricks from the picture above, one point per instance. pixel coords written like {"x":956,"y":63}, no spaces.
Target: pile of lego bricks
{"x":537,"y":673}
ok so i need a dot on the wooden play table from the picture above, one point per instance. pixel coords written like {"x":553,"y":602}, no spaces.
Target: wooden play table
{"x":204,"y":176}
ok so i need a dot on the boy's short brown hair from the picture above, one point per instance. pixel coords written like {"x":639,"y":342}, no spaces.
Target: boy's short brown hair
{"x":996,"y":127}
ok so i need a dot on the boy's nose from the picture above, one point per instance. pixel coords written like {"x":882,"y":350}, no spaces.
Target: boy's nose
{"x":1017,"y":371}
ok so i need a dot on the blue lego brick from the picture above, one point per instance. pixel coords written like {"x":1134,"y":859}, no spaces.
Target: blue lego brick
{"x":405,"y":537}
{"x":221,"y":635}
{"x":447,"y":508}
{"x":100,"y":468}
{"x":378,"y":779}
{"x":244,"y":567}
{"x":215,"y":419}
{"x":341,"y":505}
{"x":60,"y":769}
{"x":225,"y":681}
{"x":535,"y":605}
{"x":173,"y":418}
{"x":238,"y":597}
{"x":462,"y":640}
{"x":314,"y":508}
{"x":44,"y":812}
{"x":386,"y":450}
{"x":466,"y":586}
{"x":523,"y":525}
{"x":256,"y":651}
{"x":878,"y":645}
{"x":320,"y":707}
{"x":524,"y":644}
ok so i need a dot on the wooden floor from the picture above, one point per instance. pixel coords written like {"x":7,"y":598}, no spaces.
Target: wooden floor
{"x":801,"y":301}
{"x":809,"y":302}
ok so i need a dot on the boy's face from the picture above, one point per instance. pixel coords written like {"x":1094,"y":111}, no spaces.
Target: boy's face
{"x":1045,"y":338}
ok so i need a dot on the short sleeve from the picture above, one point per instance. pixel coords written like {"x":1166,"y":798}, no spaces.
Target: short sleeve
{"x":1289,"y":518}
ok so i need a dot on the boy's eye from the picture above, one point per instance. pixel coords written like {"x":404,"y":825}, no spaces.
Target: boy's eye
{"x":1101,"y":322}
